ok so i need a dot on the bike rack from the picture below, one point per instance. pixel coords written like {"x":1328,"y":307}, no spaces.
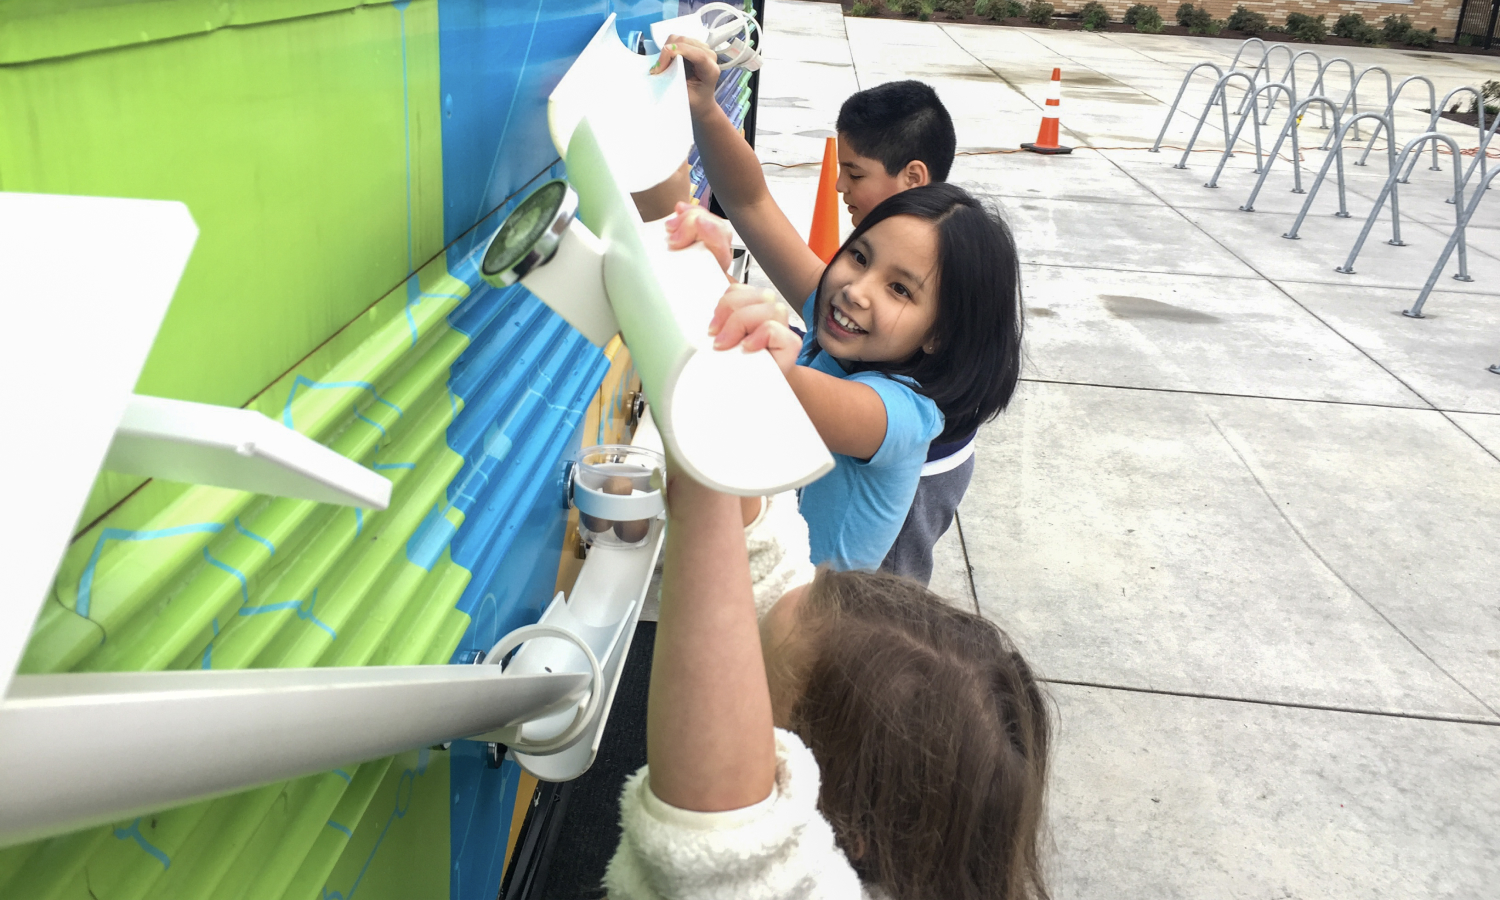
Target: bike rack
{"x":1480,"y":158}
{"x":1454,"y":239}
{"x":1156,"y":147}
{"x":1234,"y":138}
{"x":1261,"y":65}
{"x":1319,"y":91}
{"x":1437,"y":111}
{"x":1218,"y":93}
{"x":1390,"y":112}
{"x":1353,"y":98}
{"x":1289,"y":128}
{"x":1389,"y":190}
{"x":1337,"y":155}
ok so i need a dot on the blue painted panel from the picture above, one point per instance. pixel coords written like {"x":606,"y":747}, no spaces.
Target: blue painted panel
{"x":499,"y":62}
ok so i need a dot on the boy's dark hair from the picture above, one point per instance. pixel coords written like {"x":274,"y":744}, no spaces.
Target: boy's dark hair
{"x":931,"y":734}
{"x":977,"y":362}
{"x":898,"y":122}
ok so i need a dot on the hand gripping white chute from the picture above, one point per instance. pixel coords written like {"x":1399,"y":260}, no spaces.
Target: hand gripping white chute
{"x":729,"y":418}
{"x":641,"y":118}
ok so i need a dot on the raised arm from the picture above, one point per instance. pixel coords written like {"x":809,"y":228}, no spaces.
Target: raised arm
{"x":738,"y":183}
{"x":709,"y":739}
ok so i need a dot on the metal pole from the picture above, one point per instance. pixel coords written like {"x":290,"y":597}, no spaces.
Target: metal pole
{"x":1456,"y":238}
{"x":1389,"y":190}
{"x":1156,"y":147}
{"x":1337,"y":154}
{"x":1289,"y":128}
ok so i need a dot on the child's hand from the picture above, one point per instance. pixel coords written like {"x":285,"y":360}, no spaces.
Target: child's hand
{"x":702,"y":70}
{"x":693,"y":224}
{"x":755,"y":319}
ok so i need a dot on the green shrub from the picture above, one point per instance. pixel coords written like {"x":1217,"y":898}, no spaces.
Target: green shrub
{"x":1199,"y":21}
{"x":1015,"y":9}
{"x":1246,"y":22}
{"x":1133,"y":13}
{"x":908,"y":7}
{"x":1369,"y":35}
{"x":953,"y":9}
{"x":1148,"y":21}
{"x":985,"y":9}
{"x":1349,"y":25}
{"x":1421,"y":39}
{"x":862,"y":9}
{"x":926,"y":12}
{"x":1040,"y":12}
{"x":1491,"y":91}
{"x":1185,"y":14}
{"x":1395,"y":28}
{"x":1094,"y":15}
{"x":1206,"y":25}
{"x":1308,"y":29}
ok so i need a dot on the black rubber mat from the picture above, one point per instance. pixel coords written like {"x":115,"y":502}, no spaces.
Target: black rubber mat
{"x":584,"y":825}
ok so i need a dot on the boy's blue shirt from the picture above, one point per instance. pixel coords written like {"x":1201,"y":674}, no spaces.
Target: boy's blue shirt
{"x":855,"y":512}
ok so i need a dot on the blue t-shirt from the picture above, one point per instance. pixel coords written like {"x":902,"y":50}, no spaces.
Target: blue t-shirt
{"x":855,"y":512}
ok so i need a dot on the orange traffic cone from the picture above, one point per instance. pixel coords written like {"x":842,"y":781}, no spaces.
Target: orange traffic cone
{"x":823,"y":237}
{"x":1046,"y":136}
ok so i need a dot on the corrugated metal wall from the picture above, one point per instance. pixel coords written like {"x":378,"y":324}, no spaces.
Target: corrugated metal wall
{"x":341,"y":160}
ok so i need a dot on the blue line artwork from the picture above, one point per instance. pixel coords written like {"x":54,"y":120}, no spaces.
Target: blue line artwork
{"x":208,"y":651}
{"x":302,"y":381}
{"x":134,"y":832}
{"x":381,"y":466}
{"x":253,"y":536}
{"x":303,"y":609}
{"x":86,"y":581}
{"x":369,"y":421}
{"x":359,"y":521}
{"x":240,"y":576}
{"x":404,"y":789}
{"x":337,"y":827}
{"x":344,"y":775}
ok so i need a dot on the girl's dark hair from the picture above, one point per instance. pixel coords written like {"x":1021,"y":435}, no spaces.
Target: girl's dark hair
{"x":931,"y":734}
{"x":977,"y":362}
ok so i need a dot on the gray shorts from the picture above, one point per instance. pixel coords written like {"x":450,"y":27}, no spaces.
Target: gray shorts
{"x":931,"y":513}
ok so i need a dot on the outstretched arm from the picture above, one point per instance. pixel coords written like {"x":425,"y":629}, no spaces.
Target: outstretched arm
{"x":738,"y":183}
{"x":709,"y":738}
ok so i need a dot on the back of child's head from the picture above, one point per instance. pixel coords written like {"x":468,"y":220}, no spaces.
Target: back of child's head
{"x":898,"y":122}
{"x":932,"y":736}
{"x":976,"y":361}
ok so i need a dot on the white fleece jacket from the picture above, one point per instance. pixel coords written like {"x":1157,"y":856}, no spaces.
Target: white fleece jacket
{"x":778,"y":548}
{"x":779,"y":849}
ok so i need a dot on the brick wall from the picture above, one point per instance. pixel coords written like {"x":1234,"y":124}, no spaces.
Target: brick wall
{"x":1425,"y":14}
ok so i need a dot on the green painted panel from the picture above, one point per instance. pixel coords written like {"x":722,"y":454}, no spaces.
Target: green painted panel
{"x":289,"y":142}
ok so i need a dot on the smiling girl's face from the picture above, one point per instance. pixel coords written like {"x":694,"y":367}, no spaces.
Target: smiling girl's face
{"x":878,"y":301}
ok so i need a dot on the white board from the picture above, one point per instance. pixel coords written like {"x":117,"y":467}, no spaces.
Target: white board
{"x":84,"y":284}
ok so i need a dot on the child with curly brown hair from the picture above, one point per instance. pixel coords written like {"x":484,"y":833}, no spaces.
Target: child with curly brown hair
{"x":862,"y":739}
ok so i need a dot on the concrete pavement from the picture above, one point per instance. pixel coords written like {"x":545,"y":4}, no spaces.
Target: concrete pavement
{"x":1242,"y":514}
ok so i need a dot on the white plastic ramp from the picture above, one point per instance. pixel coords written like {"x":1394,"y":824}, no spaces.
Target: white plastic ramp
{"x":641,"y":118}
{"x":86,"y":282}
{"x":727,"y":417}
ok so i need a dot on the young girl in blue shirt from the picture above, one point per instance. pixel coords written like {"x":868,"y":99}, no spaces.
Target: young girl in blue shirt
{"x":914,"y":329}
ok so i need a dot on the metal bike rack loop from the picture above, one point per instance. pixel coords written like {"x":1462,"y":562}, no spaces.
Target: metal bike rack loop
{"x":1353,"y":98}
{"x":1234,"y":138}
{"x":1437,"y":111}
{"x":1218,"y":93}
{"x":1318,"y":90}
{"x":1336,"y":155}
{"x":1390,"y":112}
{"x":1289,"y":128}
{"x":1389,"y":190}
{"x":1454,"y":239}
{"x":1218,"y":72}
